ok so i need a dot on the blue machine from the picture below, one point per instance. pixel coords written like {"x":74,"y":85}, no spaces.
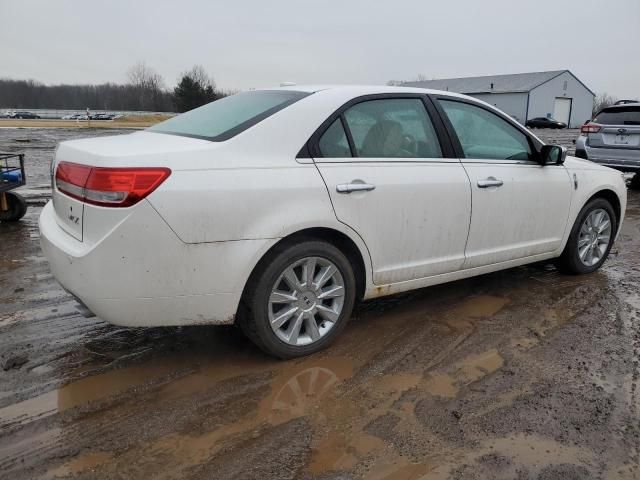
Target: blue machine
{"x":12,"y":206}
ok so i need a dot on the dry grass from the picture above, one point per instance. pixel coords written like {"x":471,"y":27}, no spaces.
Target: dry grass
{"x":133,"y":121}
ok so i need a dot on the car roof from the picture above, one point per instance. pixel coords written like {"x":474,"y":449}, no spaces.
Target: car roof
{"x":357,"y":90}
{"x":621,"y":106}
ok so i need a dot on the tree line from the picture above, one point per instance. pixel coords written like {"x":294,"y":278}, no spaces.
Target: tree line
{"x":144,"y":90}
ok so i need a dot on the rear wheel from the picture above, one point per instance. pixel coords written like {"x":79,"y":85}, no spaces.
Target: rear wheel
{"x":15,"y":205}
{"x":299,"y":299}
{"x":591,"y":238}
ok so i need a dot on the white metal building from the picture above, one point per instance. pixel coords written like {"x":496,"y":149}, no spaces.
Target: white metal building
{"x":558,"y":94}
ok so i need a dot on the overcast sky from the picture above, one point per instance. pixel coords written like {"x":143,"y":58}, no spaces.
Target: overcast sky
{"x":257,"y":43}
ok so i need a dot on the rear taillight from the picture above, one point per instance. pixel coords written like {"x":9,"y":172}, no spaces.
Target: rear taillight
{"x":590,"y":128}
{"x":108,"y":187}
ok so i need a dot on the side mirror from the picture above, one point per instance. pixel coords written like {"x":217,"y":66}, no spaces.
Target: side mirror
{"x":553,"y":154}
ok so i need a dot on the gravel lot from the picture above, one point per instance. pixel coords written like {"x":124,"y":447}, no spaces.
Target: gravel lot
{"x":521,"y":374}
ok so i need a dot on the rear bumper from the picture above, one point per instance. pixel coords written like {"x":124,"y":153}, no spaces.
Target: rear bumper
{"x":626,"y":160}
{"x":142,"y":275}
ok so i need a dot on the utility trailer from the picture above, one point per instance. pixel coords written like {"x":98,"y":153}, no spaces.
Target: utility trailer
{"x":12,"y":175}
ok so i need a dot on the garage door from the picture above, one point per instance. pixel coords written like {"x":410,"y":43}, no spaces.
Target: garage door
{"x":562,"y":110}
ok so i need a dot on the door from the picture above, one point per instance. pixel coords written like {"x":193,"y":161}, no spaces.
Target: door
{"x":562,"y":110}
{"x":387,"y":177}
{"x":520,"y":208}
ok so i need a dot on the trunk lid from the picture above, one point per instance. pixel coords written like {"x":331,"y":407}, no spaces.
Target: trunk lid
{"x":87,"y":222}
{"x":620,"y":128}
{"x":69,"y":213}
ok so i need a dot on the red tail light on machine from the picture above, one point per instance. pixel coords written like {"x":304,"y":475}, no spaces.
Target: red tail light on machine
{"x":108,"y":187}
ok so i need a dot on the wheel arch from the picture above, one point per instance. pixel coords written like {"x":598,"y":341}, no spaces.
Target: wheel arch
{"x":613,"y":199}
{"x":356,"y":253}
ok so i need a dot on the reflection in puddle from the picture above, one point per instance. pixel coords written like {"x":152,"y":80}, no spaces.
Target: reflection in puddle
{"x":298,"y":389}
{"x":295,"y":391}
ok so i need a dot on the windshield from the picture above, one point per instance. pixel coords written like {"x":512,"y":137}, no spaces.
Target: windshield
{"x":619,"y":116}
{"x":227,"y":117}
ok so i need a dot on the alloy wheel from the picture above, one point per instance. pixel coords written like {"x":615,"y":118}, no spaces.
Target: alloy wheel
{"x":594,"y":237}
{"x":306,"y":301}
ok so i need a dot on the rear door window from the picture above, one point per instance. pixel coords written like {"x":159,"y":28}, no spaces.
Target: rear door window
{"x":619,"y":116}
{"x":392,"y":128}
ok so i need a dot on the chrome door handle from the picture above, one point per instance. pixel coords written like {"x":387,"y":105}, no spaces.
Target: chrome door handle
{"x":354,"y":187}
{"x":490,"y":182}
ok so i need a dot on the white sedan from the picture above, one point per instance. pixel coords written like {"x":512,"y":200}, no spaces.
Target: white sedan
{"x":279,"y":209}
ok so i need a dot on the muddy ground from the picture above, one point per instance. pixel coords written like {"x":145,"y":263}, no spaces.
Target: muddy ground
{"x":521,"y":374}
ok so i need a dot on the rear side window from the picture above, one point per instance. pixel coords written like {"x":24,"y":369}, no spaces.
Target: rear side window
{"x":619,"y":116}
{"x":484,"y":135}
{"x":392,"y":128}
{"x":225,"y":118}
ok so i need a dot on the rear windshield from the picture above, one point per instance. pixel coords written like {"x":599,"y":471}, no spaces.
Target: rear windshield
{"x":619,"y":116}
{"x":227,"y":117}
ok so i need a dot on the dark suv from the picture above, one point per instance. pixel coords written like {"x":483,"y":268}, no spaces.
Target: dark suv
{"x":612,"y":138}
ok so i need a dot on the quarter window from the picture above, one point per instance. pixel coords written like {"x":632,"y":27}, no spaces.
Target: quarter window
{"x":392,"y":128}
{"x":484,"y":135}
{"x":334,"y":143}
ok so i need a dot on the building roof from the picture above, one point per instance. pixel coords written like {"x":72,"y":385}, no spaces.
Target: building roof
{"x":517,"y":82}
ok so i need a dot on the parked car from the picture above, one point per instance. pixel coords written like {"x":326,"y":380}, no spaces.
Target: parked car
{"x":101,"y":116}
{"x":25,"y":115}
{"x":75,"y":116}
{"x":279,"y":209}
{"x":612,"y":138}
{"x":625,"y":102}
{"x":544,"y":122}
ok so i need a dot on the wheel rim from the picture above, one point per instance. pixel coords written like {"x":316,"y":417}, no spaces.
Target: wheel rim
{"x":594,"y":238}
{"x":306,"y":301}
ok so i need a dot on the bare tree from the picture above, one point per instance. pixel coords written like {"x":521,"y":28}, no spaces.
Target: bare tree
{"x":148,"y":86}
{"x":601,"y":101}
{"x":195,"y":88}
{"x":199,"y":75}
{"x":143,"y":75}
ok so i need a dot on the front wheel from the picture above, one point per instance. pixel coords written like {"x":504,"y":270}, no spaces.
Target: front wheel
{"x":299,"y":299}
{"x":591,"y":238}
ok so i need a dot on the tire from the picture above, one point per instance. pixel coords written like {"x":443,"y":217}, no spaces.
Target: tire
{"x":635,"y":182}
{"x":17,"y":208}
{"x":257,"y":313}
{"x":570,"y":261}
